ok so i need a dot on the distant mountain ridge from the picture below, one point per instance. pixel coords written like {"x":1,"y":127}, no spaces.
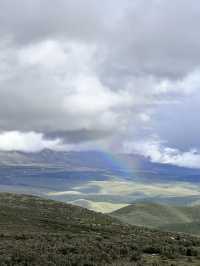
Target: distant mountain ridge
{"x":46,"y":157}
{"x":135,"y":164}
{"x":89,"y":174}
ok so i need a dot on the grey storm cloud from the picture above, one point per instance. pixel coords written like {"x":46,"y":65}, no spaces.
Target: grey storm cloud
{"x":29,"y":21}
{"x":77,"y":136}
{"x":84,"y":71}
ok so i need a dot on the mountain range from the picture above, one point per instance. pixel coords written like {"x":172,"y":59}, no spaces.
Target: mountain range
{"x":99,"y":180}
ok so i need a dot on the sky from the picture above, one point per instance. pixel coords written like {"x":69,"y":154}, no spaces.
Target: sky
{"x":113,"y":75}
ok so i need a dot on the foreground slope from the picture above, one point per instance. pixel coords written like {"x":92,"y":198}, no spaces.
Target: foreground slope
{"x":172,"y":218}
{"x":34,"y":231}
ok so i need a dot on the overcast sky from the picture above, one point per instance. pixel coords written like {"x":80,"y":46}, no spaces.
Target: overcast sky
{"x":120,"y":75}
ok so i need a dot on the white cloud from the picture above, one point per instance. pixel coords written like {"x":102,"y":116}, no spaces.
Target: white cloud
{"x":26,"y":142}
{"x":159,"y":153}
{"x":55,"y":87}
{"x":96,"y":66}
{"x":59,"y":89}
{"x":187,"y":85}
{"x":61,"y":193}
{"x":48,"y":54}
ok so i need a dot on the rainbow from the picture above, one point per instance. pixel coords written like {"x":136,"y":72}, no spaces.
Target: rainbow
{"x":117,"y":163}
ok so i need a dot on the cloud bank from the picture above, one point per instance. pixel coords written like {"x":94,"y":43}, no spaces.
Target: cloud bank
{"x":77,"y":75}
{"x":27,"y":142}
{"x":158,"y":152}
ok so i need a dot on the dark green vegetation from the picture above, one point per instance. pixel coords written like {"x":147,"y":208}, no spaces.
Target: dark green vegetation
{"x":37,"y":232}
{"x":165,"y":217}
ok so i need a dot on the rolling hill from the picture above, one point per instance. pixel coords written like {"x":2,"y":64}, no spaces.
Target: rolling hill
{"x":103,"y":207}
{"x":165,"y":217}
{"x":36,"y":231}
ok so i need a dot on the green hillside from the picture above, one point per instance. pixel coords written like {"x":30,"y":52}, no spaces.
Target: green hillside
{"x":175,"y":218}
{"x":39,"y":232}
{"x":189,"y":228}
